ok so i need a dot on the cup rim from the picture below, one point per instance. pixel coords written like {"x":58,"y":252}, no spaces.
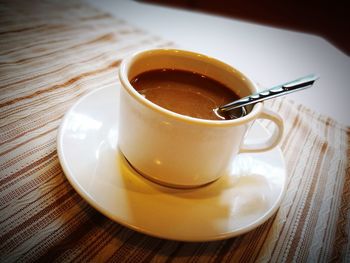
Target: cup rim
{"x":123,"y":77}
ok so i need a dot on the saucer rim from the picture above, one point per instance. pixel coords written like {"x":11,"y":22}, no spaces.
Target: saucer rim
{"x":90,"y":200}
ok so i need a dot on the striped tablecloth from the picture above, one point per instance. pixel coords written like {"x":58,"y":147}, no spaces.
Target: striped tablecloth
{"x":52,"y":53}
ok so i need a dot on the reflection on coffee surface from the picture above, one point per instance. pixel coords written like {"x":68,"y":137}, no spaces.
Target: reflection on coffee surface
{"x":184,"y":92}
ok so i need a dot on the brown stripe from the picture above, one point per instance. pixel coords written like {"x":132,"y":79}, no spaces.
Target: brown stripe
{"x":307,"y":207}
{"x":122,"y":252}
{"x":29,"y":44}
{"x":21,"y":30}
{"x":29,"y":181}
{"x":40,"y":115}
{"x":55,"y":236}
{"x":128,"y":248}
{"x":27,"y":141}
{"x":199,"y":248}
{"x":47,"y":74}
{"x":22,"y":190}
{"x":229,"y":245}
{"x":288,"y":140}
{"x":296,"y":203}
{"x":296,"y":155}
{"x":41,"y":100}
{"x":26,"y":126}
{"x":144,"y":249}
{"x":27,"y":168}
{"x":31,"y":130}
{"x":270,"y":223}
{"x":46,"y":218}
{"x":310,"y":225}
{"x":215,"y":251}
{"x":47,"y":57}
{"x":34,"y":77}
{"x":93,"y":221}
{"x":153,"y":252}
{"x":301,"y":184}
{"x":121,"y":49}
{"x":248,"y":249}
{"x":57,"y":51}
{"x":99,"y":243}
{"x":253,"y":248}
{"x":29,"y":184}
{"x":328,"y":227}
{"x":72,"y":96}
{"x":175,"y":252}
{"x":25,"y":154}
{"x":52,"y":196}
{"x":209,"y":249}
{"x":36,"y":200}
{"x":65,"y":84}
{"x":267,"y":226}
{"x":293,"y":129}
{"x":341,"y":234}
{"x":36,"y":57}
{"x":49,"y":28}
{"x":20,"y":217}
{"x":304,"y":133}
{"x":35,"y":217}
{"x":100,"y":16}
{"x":106,"y":37}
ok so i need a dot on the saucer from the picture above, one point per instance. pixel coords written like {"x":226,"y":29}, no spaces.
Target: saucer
{"x":87,"y":145}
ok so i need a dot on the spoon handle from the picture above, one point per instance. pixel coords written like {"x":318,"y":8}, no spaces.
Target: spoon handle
{"x":289,"y":87}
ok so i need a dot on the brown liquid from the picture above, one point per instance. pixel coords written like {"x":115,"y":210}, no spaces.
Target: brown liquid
{"x":184,"y":92}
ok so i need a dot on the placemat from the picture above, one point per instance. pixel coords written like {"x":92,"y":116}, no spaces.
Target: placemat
{"x":52,"y":53}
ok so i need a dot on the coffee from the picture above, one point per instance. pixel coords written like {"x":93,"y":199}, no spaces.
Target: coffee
{"x":184,"y":92}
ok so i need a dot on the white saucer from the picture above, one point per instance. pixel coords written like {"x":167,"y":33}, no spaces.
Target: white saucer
{"x":234,"y":204}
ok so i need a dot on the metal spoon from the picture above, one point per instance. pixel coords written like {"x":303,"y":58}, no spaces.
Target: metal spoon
{"x":236,"y":109}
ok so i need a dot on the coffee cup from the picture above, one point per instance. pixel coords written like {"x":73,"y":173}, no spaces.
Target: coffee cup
{"x":178,"y":150}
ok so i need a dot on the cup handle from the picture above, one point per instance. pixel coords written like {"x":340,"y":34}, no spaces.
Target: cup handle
{"x":273,"y":140}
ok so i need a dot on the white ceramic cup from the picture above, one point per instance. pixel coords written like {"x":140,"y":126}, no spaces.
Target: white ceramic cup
{"x":178,"y":150}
